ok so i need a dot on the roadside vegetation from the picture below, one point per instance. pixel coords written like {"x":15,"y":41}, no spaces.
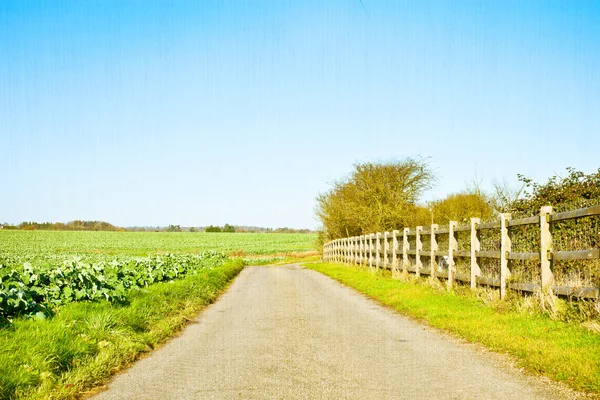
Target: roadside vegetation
{"x":85,"y":342}
{"x":563,"y":351}
{"x":379,"y":197}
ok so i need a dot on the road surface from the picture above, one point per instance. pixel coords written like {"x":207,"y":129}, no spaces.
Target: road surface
{"x":291,"y":333}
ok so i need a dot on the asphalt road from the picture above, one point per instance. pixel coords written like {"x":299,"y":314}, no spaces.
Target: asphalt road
{"x":292,"y":333}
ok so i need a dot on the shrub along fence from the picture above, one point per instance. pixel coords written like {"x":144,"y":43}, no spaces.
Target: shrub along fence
{"x":404,"y":252}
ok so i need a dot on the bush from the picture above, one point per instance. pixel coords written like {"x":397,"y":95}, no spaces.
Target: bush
{"x":461,"y":207}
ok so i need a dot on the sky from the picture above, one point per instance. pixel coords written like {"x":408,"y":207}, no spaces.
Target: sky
{"x":211,"y":112}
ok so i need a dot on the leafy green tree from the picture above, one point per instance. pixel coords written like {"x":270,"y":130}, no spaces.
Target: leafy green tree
{"x":213,"y":229}
{"x":228,"y":228}
{"x":174,"y":228}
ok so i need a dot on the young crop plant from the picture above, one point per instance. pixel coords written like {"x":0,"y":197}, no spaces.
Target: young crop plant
{"x":33,"y":291}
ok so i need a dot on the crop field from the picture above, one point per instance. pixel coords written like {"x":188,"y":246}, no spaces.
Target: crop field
{"x":40,"y":270}
{"x":46,"y":243}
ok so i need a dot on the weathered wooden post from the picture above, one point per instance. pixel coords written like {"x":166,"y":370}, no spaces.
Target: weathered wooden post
{"x":360,"y":249}
{"x":418,"y":249}
{"x":475,"y":249}
{"x":371,"y":255}
{"x":395,"y":248}
{"x":452,"y":248}
{"x":332,"y":254}
{"x":378,"y":250}
{"x":365,"y":250}
{"x":356,"y":250}
{"x":546,"y":249}
{"x":432,"y":250}
{"x":405,"y":248}
{"x":386,"y":249}
{"x":363,"y":258}
{"x":352,"y":250}
{"x":348,"y":250}
{"x":506,"y":246}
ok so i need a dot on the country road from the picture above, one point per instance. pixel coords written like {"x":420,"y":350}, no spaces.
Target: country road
{"x":291,"y":333}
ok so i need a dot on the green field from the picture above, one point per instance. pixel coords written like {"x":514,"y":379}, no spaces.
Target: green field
{"x":44,"y":243}
{"x":42,"y":270}
{"x":75,"y":306}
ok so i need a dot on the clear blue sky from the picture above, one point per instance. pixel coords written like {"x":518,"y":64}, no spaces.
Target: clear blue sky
{"x":211,"y":112}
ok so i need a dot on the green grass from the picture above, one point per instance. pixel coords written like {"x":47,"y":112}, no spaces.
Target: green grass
{"x":85,"y":343}
{"x":564,"y":352}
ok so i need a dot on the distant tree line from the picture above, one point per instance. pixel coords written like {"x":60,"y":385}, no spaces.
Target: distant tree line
{"x":227,"y":228}
{"x":79,"y":225}
{"x":76,"y":225}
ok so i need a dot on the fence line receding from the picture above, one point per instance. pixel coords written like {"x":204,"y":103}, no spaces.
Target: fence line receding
{"x":403,"y":252}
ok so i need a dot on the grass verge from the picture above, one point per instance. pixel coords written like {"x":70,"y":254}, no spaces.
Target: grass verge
{"x":85,"y":343}
{"x":564,"y":352}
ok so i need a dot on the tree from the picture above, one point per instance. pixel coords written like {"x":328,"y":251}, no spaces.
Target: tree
{"x":174,"y":228}
{"x":192,"y":229}
{"x":228,"y":228}
{"x":375,"y":197}
{"x":213,"y":229}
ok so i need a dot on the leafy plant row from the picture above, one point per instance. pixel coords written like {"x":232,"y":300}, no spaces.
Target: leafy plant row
{"x":36,"y":290}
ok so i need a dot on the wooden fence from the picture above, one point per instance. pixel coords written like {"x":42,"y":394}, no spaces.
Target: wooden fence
{"x":392,"y":250}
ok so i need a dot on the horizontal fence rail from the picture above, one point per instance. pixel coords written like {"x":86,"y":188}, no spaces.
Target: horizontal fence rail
{"x":375,"y":250}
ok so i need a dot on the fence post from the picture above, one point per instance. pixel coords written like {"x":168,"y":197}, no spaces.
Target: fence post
{"x":378,"y":249}
{"x":352,"y":250}
{"x":505,"y":248}
{"x":452,"y":247}
{"x":386,"y":249}
{"x":418,"y":249}
{"x":433,"y":248}
{"x":371,"y":255}
{"x":546,"y":249}
{"x":348,"y":250}
{"x":333,"y":250}
{"x":395,"y":253}
{"x":405,"y":248}
{"x":475,"y":248}
{"x":364,"y":250}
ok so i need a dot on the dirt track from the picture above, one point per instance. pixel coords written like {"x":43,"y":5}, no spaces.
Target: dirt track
{"x":292,"y":333}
